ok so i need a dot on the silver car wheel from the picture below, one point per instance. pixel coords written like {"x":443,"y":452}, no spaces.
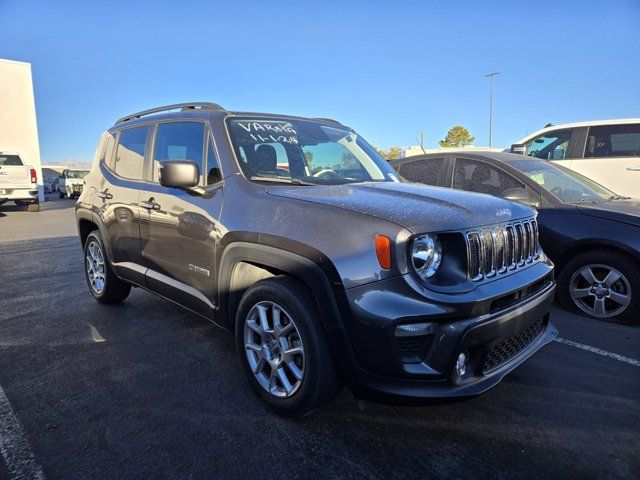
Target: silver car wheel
{"x":95,"y":267}
{"x":274,"y":349}
{"x":600,"y":290}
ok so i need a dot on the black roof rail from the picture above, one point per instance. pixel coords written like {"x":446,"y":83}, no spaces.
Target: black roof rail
{"x":176,"y":106}
{"x":329,"y":120}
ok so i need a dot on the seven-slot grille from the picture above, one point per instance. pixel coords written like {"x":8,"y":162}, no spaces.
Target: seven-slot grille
{"x":502,"y":248}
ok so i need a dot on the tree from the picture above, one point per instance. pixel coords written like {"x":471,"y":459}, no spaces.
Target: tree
{"x":456,"y":137}
{"x":308,"y":156}
{"x":390,"y":153}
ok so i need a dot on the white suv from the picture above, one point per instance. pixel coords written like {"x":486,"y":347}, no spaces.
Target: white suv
{"x":606,"y":151}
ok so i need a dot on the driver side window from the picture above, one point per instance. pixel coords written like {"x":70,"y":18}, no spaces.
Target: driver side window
{"x":550,"y":146}
{"x":482,"y":177}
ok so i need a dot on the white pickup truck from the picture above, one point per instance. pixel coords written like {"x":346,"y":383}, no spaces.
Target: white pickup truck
{"x":18,"y":182}
{"x":71,"y":181}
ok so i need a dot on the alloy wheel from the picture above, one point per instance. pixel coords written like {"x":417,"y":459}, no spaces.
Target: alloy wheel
{"x":95,"y":267}
{"x":600,"y":290}
{"x":274,"y":349}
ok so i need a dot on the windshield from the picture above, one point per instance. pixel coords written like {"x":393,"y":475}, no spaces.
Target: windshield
{"x":77,"y":173}
{"x":567,"y":185}
{"x":305,"y":152}
{"x":10,"y":160}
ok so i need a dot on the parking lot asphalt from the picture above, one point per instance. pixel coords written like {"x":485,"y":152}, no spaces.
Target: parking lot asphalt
{"x":147,"y":390}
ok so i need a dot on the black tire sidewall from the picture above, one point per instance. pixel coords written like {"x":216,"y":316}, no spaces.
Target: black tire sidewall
{"x":320,"y":375}
{"x":95,"y":236}
{"x":621,"y":262}
{"x":115,"y":290}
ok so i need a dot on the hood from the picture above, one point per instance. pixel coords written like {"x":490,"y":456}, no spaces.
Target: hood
{"x":627,"y":211}
{"x":416,"y":207}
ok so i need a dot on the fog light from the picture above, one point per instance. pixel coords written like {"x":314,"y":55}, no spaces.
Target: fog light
{"x":415,"y":329}
{"x":461,"y":364}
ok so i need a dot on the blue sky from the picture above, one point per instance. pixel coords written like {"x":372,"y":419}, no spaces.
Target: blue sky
{"x":389,"y":69}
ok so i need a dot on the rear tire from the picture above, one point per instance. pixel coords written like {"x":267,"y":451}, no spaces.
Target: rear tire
{"x":304,"y":376}
{"x":601,"y":284}
{"x":60,"y":194}
{"x":103,"y":284}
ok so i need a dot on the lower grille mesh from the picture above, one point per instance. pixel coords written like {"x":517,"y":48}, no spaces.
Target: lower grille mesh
{"x":509,"y":348}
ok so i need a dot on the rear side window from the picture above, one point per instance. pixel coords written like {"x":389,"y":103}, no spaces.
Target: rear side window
{"x":129,"y":161}
{"x":550,"y":146}
{"x":424,"y":171}
{"x":109,"y":148}
{"x":613,"y":141}
{"x":482,"y":178}
{"x":10,"y":160}
{"x":104,"y":153}
{"x":178,"y":141}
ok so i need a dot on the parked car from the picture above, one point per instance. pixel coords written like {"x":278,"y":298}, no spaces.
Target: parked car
{"x":607,"y":151}
{"x":327,"y":271}
{"x":18,"y":182}
{"x":70,"y":182}
{"x":48,"y":185}
{"x":591,"y":233}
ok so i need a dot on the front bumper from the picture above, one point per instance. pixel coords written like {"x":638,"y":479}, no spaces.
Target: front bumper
{"x":496,"y":335}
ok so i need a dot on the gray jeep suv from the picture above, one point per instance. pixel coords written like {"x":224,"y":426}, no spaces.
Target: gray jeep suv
{"x":296,"y":236}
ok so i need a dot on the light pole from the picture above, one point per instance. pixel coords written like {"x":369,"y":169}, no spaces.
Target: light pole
{"x":491,"y":75}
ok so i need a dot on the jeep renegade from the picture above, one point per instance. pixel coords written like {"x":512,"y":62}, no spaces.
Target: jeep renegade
{"x":295,"y":235}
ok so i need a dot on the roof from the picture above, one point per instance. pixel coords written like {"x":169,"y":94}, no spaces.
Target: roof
{"x":593,"y":123}
{"x":499,"y":156}
{"x":201,"y":110}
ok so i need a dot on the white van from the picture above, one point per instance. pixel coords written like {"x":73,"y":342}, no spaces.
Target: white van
{"x":606,"y":151}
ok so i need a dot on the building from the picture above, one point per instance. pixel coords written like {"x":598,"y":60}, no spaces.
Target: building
{"x":18,"y":127}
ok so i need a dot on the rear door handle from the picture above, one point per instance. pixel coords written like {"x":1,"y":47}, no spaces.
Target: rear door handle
{"x":105,"y":195}
{"x":150,"y":204}
{"x":634,"y":169}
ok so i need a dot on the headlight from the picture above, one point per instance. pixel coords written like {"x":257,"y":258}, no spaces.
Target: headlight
{"x":426,"y":255}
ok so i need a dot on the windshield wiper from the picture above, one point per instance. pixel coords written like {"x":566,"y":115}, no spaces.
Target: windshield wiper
{"x":292,"y":181}
{"x":618,"y":197}
{"x":582,"y":200}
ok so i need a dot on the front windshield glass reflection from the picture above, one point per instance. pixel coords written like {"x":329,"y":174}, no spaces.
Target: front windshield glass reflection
{"x":305,"y":152}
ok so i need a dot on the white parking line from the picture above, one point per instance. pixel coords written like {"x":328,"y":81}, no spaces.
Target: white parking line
{"x":14,"y":445}
{"x":604,"y":353}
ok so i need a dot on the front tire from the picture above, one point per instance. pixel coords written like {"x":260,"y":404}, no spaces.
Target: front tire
{"x":103,"y":284}
{"x":283,"y":347}
{"x":601,"y":284}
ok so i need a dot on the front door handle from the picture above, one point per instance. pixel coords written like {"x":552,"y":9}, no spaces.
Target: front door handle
{"x":634,"y":169}
{"x":150,"y":204}
{"x":105,"y":195}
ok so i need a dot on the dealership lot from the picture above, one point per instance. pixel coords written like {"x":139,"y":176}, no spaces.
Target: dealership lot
{"x":147,"y":390}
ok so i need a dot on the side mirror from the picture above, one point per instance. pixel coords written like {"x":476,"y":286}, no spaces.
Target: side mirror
{"x":182,"y":174}
{"x":518,"y":148}
{"x":520,"y":195}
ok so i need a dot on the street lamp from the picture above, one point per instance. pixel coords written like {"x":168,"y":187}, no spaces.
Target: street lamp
{"x":491,"y":75}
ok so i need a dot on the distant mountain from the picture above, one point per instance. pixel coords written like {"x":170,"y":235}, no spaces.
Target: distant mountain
{"x":83,"y":164}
